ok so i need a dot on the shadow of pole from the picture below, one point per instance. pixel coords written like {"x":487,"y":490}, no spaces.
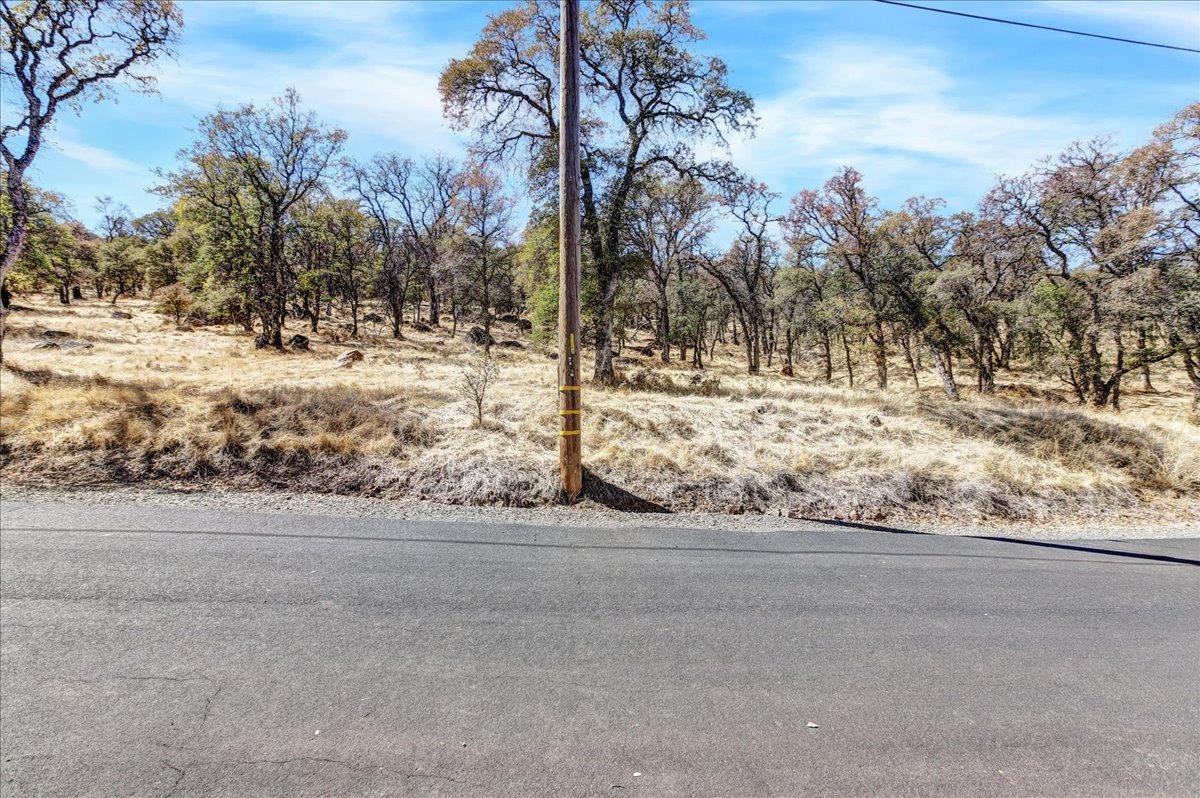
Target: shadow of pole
{"x":614,"y":497}
{"x":1044,"y":544}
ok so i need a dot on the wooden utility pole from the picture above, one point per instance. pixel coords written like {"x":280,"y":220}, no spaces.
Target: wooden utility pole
{"x":570,"y":445}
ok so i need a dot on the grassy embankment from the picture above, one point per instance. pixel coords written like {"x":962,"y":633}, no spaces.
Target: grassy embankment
{"x":147,"y":402}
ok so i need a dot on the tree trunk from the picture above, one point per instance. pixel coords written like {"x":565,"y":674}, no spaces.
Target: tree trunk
{"x":750,"y":341}
{"x":487,"y":313}
{"x":789,"y":344}
{"x":19,"y":210}
{"x":985,"y":366}
{"x":881,"y":365}
{"x":1105,"y":392}
{"x":906,"y":345}
{"x":664,"y":323}
{"x":849,"y":362}
{"x":435,"y":305}
{"x":945,"y":369}
{"x":1193,"y":373}
{"x":1145,"y":369}
{"x":603,"y":372}
{"x":827,"y":355}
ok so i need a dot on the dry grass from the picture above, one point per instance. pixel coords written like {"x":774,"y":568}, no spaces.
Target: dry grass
{"x":148,"y":402}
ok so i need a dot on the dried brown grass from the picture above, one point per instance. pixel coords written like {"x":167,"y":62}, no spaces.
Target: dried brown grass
{"x":148,"y":402}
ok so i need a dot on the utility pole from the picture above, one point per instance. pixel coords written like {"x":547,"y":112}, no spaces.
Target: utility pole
{"x":570,"y":445}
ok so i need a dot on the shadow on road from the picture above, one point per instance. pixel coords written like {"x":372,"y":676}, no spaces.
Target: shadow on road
{"x":531,"y":544}
{"x":1045,"y":544}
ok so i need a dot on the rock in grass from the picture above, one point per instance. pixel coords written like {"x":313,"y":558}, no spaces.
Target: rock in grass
{"x":52,"y":335}
{"x":299,"y":342}
{"x":479,"y":336}
{"x":373,"y":318}
{"x":510,"y":345}
{"x":421,"y":327}
{"x":120,"y":314}
{"x":45,"y":345}
{"x":347,"y":359}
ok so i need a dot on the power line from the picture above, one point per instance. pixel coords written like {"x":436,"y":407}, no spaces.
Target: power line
{"x":1039,"y":27}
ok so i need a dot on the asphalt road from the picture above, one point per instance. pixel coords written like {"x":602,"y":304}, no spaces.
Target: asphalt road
{"x":147,"y":652}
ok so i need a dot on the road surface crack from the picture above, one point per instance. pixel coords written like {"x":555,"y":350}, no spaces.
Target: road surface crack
{"x":208,"y":704}
{"x":180,"y":775}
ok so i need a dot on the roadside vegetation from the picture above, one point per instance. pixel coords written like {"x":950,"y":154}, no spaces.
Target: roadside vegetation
{"x":294,"y":319}
{"x":124,"y":400}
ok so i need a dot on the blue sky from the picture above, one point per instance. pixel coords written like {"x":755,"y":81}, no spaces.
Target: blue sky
{"x":921,"y":103}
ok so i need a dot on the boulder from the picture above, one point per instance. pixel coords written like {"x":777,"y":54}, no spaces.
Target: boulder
{"x":510,"y":345}
{"x":479,"y":336}
{"x":52,"y":335}
{"x":120,"y":314}
{"x":299,"y":342}
{"x":524,"y":325}
{"x":508,"y":318}
{"x":373,"y":318}
{"x":420,"y":326}
{"x":347,"y":359}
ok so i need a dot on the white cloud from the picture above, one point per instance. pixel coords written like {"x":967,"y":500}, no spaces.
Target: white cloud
{"x":94,"y":157}
{"x":894,"y":112}
{"x":1178,"y":22}
{"x":371,"y":74}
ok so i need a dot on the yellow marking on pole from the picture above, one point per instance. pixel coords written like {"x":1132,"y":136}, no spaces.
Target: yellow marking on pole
{"x":568,"y":387}
{"x":571,"y":338}
{"x":568,"y":412}
{"x":568,"y":432}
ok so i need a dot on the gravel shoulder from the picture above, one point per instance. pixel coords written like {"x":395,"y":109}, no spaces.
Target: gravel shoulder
{"x":586,"y":514}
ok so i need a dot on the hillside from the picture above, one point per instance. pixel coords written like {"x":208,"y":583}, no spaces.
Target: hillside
{"x":137,"y":400}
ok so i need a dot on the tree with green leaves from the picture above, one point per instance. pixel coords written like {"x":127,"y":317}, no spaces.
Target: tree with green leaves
{"x":249,"y":170}
{"x":670,"y":217}
{"x":747,"y":270}
{"x":122,"y":263}
{"x":413,"y":208}
{"x":61,"y":53}
{"x":649,"y":100}
{"x":353,"y":263}
{"x":485,"y":225}
{"x":1097,"y":221}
